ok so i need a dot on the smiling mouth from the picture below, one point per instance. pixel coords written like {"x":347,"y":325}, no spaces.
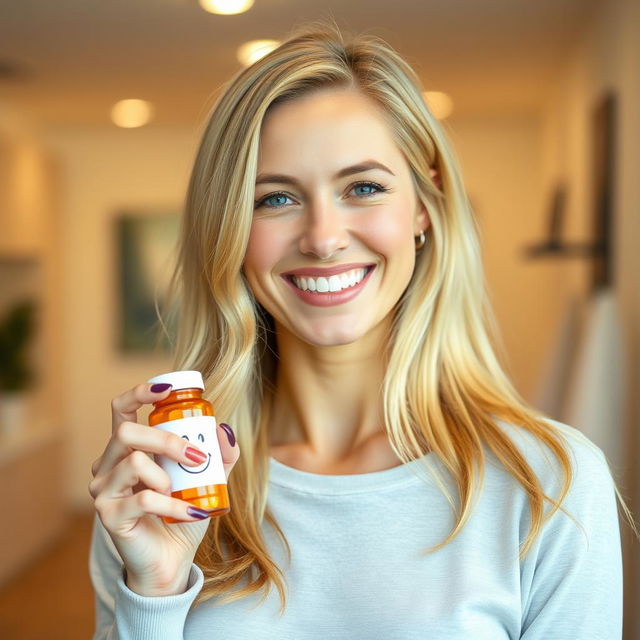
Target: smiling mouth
{"x":199,"y":470}
{"x":332,"y":283}
{"x":329,"y":290}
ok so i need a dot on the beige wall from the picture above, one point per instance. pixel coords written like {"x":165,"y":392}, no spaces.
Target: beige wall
{"x":29,"y":256}
{"x":104,"y":171}
{"x":607,"y":58}
{"x":501,"y":158}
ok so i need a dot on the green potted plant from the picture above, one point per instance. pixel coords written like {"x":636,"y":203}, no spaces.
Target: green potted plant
{"x":16,"y":372}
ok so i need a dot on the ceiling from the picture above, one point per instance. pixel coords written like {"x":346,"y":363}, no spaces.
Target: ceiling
{"x":68,"y":61}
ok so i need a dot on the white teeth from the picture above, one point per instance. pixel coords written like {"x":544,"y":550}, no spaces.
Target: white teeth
{"x":333,"y":283}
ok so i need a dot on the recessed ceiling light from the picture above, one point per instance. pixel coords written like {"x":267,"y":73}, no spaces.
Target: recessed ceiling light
{"x":252,"y":51}
{"x":131,"y":113}
{"x":226,"y":7}
{"x":439,"y":103}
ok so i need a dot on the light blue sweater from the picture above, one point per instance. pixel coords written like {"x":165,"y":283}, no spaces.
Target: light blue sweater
{"x":357,"y":572}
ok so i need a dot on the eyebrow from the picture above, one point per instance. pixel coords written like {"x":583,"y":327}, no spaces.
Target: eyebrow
{"x":367,"y":165}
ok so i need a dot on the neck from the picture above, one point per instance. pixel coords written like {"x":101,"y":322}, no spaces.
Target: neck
{"x":328,"y":400}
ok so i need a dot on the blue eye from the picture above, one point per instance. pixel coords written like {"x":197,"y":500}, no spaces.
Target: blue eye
{"x":279,"y":200}
{"x":200,"y":437}
{"x":273,"y":201}
{"x":368,"y":188}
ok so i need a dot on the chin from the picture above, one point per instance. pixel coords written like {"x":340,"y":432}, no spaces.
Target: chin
{"x":331,"y":337}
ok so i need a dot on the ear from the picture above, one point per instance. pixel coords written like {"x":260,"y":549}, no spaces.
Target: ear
{"x":437,"y":179}
{"x":422,"y":220}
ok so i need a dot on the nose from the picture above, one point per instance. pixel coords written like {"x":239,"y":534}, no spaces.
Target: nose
{"x":324,"y":231}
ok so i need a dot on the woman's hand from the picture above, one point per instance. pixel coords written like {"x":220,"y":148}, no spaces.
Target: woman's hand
{"x":130,"y":490}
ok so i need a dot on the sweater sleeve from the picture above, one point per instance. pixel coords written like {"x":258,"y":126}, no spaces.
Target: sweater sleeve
{"x":122,"y":614}
{"x":572,"y":583}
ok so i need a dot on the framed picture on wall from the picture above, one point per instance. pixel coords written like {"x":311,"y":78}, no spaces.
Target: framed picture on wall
{"x":145,"y":253}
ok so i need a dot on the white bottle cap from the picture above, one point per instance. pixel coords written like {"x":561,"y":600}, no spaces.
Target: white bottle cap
{"x":181,"y":379}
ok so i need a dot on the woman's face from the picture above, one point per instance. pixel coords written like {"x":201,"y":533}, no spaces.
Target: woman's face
{"x":331,"y":248}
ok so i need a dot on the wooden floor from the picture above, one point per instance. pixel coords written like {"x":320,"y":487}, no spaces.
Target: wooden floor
{"x":53,"y":599}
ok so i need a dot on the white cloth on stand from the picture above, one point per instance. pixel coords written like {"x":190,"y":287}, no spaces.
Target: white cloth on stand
{"x":556,"y":373}
{"x":595,"y":401}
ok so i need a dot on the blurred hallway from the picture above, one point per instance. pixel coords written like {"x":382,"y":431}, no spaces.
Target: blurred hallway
{"x":53,"y":598}
{"x":525,"y":81}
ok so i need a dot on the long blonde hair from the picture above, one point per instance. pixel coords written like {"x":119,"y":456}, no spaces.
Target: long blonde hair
{"x":444,"y":388}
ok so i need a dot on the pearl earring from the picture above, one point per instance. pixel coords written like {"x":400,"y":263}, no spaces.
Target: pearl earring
{"x":420,"y":241}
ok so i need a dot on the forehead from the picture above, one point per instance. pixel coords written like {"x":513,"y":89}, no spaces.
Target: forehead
{"x":339,"y":125}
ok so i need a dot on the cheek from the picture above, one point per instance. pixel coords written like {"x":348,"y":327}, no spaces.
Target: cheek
{"x":268,"y":243}
{"x":390,"y":231}
{"x":262,"y":249}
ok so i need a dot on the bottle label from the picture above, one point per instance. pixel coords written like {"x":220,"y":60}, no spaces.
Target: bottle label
{"x":201,"y":432}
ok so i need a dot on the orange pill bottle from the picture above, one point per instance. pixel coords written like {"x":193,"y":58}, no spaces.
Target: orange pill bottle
{"x":187,"y":414}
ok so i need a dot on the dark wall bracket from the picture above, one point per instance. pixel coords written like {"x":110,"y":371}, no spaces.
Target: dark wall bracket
{"x":600,"y":251}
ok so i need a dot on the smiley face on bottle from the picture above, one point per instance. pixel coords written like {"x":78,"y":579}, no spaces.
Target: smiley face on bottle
{"x":200,"y":441}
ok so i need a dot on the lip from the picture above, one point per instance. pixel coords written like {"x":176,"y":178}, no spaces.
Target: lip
{"x":319,"y":272}
{"x":330,"y":299}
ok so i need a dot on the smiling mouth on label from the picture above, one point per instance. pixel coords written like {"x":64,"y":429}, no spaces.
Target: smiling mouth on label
{"x":196,"y":470}
{"x":327,"y":291}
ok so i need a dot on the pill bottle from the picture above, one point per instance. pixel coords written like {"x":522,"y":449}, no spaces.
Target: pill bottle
{"x":187,"y":414}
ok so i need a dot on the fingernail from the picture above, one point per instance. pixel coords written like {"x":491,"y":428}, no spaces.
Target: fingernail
{"x":195,"y":455}
{"x":229,"y":431}
{"x":197,"y":513}
{"x":160,"y":387}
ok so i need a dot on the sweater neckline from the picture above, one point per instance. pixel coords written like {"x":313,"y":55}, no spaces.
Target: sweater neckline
{"x":307,"y":482}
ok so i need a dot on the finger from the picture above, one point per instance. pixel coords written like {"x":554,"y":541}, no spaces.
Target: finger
{"x":125,"y":407}
{"x":228,"y":446}
{"x":121,"y":514}
{"x":128,"y":473}
{"x":130,"y":436}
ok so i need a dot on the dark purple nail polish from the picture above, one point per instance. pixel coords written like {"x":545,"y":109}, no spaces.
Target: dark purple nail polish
{"x":229,"y":432}
{"x":197,"y":513}
{"x":160,"y":387}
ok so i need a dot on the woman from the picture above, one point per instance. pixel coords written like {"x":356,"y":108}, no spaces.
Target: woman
{"x":392,"y":483}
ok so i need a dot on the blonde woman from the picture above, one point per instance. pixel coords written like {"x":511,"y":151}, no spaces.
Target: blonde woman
{"x":386,"y":480}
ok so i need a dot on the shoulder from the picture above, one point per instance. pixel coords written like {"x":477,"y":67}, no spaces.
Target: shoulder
{"x":583,"y":453}
{"x":576,"y":555}
{"x":592,"y":482}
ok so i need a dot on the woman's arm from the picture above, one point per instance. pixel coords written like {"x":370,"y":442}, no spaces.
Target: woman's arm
{"x":572,"y":580}
{"x":122,"y":614}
